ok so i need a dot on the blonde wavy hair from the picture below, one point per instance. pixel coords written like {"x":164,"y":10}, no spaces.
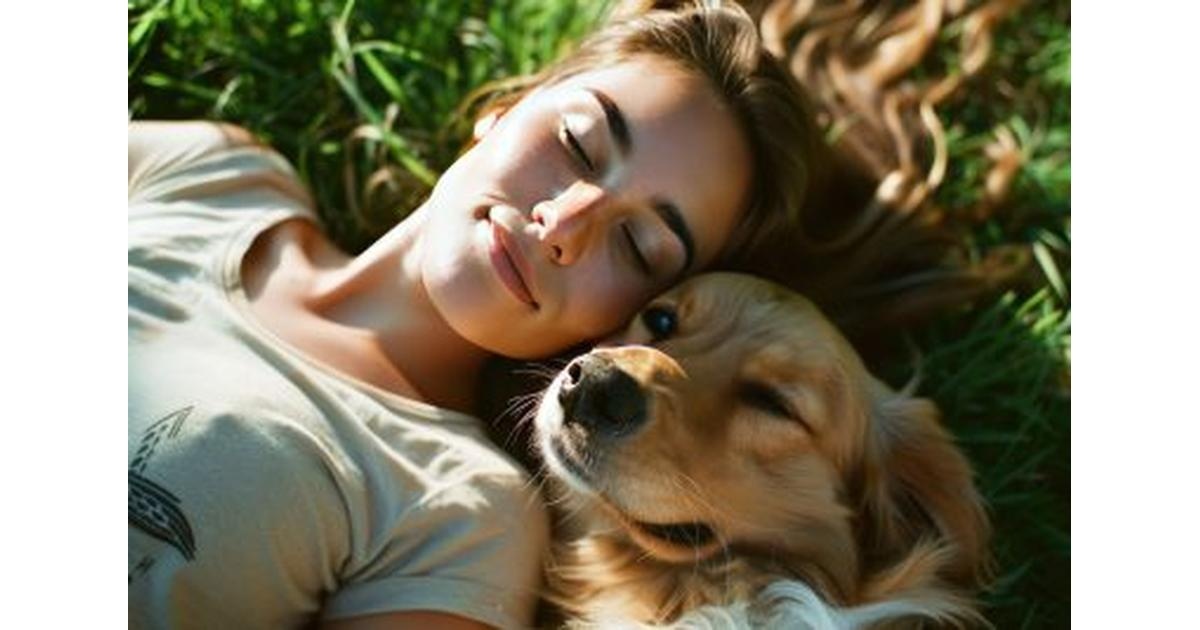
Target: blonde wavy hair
{"x":887,"y":254}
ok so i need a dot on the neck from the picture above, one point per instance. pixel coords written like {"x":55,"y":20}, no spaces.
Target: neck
{"x":380,"y":294}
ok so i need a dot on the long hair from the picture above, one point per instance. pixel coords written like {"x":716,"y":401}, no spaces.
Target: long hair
{"x":878,"y":251}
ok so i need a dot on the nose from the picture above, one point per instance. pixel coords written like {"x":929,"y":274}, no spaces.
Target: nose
{"x":599,"y":396}
{"x":570,"y":221}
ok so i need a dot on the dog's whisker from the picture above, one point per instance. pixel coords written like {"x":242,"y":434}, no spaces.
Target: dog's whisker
{"x":693,"y":492}
{"x":574,"y":511}
{"x":524,"y":409}
{"x":521,"y":400}
{"x":544,"y":370}
{"x":541,"y":376}
{"x":524,"y":413}
{"x":540,"y":479}
{"x":727,"y":556}
{"x":714,"y":538}
{"x":525,"y":399}
{"x":694,"y":496}
{"x":644,"y":555}
{"x":515,"y":409}
{"x":529,"y":412}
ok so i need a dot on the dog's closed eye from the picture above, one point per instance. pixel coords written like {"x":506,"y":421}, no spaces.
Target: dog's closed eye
{"x":686,"y":534}
{"x":800,"y":466}
{"x":763,"y":397}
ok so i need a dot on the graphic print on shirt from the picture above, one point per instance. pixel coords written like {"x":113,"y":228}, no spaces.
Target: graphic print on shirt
{"x":152,"y":508}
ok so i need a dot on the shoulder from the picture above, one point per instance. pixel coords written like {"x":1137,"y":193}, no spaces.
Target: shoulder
{"x":196,"y":189}
{"x":171,"y":161}
{"x":229,"y":442}
{"x":480,"y":483}
{"x":158,"y":148}
{"x":471,"y":555}
{"x":472,"y":543}
{"x":241,"y":489}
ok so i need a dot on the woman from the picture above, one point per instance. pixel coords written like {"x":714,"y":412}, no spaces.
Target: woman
{"x":298,"y":444}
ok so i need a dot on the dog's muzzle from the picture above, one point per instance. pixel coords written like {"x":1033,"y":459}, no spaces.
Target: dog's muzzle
{"x":602,"y":398}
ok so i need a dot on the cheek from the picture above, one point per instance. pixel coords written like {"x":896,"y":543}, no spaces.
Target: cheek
{"x":447,"y":252}
{"x":601,"y":298}
{"x":767,"y":443}
{"x":524,"y":165}
{"x":457,"y":284}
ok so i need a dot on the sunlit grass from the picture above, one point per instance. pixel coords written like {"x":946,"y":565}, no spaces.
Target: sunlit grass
{"x":346,"y":88}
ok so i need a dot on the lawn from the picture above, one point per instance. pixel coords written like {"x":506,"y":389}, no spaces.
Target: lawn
{"x":350,"y":90}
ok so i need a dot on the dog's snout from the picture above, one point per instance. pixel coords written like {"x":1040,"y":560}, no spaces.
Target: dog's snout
{"x":599,"y":395}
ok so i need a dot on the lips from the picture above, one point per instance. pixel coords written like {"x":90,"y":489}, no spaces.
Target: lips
{"x":510,"y":263}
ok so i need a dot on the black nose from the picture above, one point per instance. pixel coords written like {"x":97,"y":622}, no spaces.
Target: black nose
{"x":602,"y":397}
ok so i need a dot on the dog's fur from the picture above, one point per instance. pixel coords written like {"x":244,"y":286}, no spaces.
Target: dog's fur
{"x":819,"y":487}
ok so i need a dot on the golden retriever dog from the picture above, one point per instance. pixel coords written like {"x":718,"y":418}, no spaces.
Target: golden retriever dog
{"x":728,"y":460}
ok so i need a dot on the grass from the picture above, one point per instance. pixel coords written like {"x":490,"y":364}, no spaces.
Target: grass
{"x":345,"y":88}
{"x":1001,"y":377}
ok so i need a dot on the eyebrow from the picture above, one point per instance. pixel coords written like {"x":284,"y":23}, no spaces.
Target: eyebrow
{"x":667,"y":211}
{"x":616,"y":121}
{"x":670,"y":215}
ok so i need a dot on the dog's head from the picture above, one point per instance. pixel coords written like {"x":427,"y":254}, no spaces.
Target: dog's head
{"x":730,"y":417}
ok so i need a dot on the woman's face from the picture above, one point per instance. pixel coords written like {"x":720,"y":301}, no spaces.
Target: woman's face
{"x":580,"y":203}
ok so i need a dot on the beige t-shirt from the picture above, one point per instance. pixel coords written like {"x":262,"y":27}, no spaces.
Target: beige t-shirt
{"x":267,"y":490}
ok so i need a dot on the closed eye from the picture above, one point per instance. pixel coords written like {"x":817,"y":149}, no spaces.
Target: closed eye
{"x":642,"y":263}
{"x":685,"y":534}
{"x":765,"y":398}
{"x":575,"y":147}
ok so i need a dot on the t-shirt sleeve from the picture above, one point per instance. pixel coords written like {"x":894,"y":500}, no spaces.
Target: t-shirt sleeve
{"x":474,"y":549}
{"x":192,"y":160}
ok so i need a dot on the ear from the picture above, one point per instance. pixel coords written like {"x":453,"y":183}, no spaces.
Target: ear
{"x":486,"y":123}
{"x":922,"y":496}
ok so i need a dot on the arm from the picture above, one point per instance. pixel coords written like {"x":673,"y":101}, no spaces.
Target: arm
{"x":156,"y":147}
{"x":477,"y":564}
{"x":408,"y":620}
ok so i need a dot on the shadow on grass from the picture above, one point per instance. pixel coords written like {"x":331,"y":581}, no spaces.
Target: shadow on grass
{"x":1002,"y":380}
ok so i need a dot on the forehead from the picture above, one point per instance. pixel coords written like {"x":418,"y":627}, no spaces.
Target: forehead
{"x":687,"y":147}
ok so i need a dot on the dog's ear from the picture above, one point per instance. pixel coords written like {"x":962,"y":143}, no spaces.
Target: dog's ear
{"x":920,"y":498}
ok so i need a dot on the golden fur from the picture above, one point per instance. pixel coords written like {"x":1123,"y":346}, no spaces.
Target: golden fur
{"x":835,"y":481}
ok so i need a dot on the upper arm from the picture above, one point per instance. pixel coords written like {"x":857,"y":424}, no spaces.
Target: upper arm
{"x":157,"y":147}
{"x":406,"y":620}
